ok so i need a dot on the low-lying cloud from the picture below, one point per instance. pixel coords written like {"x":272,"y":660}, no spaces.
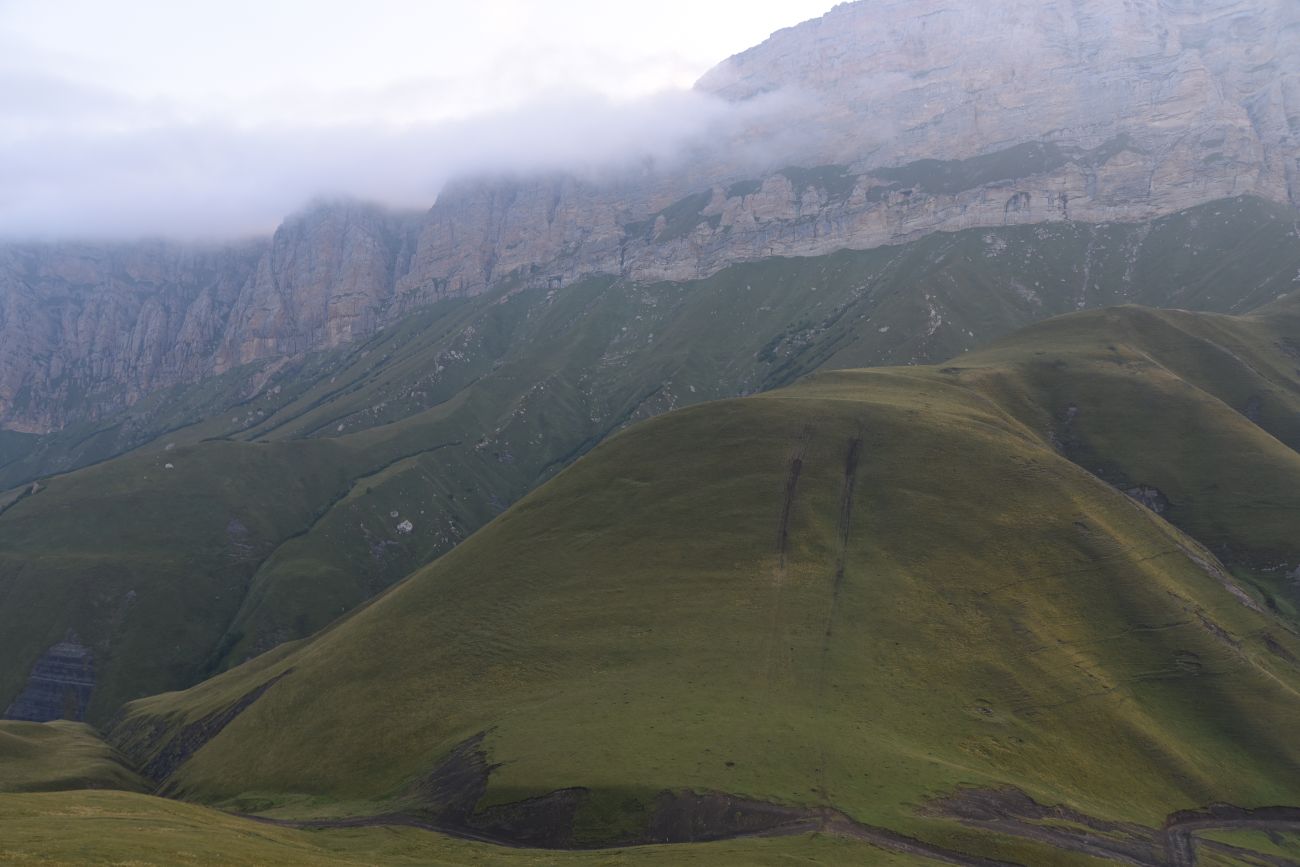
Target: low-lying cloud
{"x":215,"y":119}
{"x":76,"y":162}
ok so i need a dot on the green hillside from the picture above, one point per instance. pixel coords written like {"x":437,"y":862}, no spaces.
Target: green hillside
{"x":905,"y":602}
{"x":57,"y":756}
{"x":937,"y":296}
{"x":113,"y":828}
{"x":289,"y":508}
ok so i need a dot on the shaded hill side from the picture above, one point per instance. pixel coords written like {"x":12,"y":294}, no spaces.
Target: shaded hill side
{"x":115,"y":828}
{"x":867,"y":593}
{"x":134,"y":569}
{"x":1197,"y":416}
{"x":36,"y":757}
{"x":441,"y":422}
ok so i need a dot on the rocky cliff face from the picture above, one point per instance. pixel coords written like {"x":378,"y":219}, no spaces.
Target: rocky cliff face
{"x":896,"y":118}
{"x":922,"y":116}
{"x":99,"y":326}
{"x":89,"y":329}
{"x":889,"y":81}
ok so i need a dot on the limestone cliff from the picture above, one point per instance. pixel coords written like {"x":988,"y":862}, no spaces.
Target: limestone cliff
{"x":880,"y":122}
{"x":87,"y":329}
{"x":917,"y":116}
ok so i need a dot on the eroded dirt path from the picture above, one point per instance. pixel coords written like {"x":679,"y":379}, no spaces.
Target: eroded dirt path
{"x":1175,"y":844}
{"x":1180,"y":830}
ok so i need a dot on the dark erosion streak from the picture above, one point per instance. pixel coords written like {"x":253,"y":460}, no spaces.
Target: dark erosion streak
{"x":791,"y":488}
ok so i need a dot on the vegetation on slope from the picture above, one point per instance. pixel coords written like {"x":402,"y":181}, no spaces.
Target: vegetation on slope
{"x":291,"y":507}
{"x":867,"y":594}
{"x":1217,"y":459}
{"x":117,"y":828}
{"x":47,"y":757}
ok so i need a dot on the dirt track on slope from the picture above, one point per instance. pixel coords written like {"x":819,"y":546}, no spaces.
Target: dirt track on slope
{"x":1014,"y":813}
{"x":1180,"y":830}
{"x":692,"y":818}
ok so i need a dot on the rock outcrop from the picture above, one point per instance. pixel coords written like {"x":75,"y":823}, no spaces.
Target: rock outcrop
{"x":878,"y":123}
{"x":87,"y":329}
{"x":59,"y":685}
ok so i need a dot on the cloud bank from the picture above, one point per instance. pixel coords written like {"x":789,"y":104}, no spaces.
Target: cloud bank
{"x":120,"y":171}
{"x":210,"y":120}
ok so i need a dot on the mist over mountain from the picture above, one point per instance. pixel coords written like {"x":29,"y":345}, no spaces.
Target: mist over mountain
{"x":873,"y":125}
{"x":209,"y":181}
{"x":886,"y":450}
{"x":325,"y":99}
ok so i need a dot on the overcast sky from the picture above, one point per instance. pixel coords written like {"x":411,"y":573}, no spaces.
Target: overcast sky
{"x":197,"y":118}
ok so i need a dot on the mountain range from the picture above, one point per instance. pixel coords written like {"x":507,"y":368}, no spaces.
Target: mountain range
{"x":905,"y":473}
{"x":876,"y":124}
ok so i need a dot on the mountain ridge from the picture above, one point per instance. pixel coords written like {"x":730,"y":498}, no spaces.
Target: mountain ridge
{"x":1204,"y":119}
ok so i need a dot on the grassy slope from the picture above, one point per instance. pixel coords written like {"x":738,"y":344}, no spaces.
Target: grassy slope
{"x":1203,"y":408}
{"x":118,"y":828}
{"x":143,"y":563}
{"x":1279,"y":845}
{"x":45,"y":757}
{"x":1003,"y":617}
{"x":460,"y":410}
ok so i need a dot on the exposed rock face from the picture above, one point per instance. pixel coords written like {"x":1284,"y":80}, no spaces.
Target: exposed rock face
{"x":907,"y":116}
{"x":103,"y":325}
{"x":59,"y":686}
{"x":890,"y":81}
{"x":326,"y":279}
{"x":89,"y":329}
{"x":937,"y":117}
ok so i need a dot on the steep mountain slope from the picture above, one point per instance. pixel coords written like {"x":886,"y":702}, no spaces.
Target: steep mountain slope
{"x":877,"y":124}
{"x":353,"y":468}
{"x":882,"y":600}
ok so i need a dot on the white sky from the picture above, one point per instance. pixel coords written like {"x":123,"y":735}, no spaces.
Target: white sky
{"x":192,"y":116}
